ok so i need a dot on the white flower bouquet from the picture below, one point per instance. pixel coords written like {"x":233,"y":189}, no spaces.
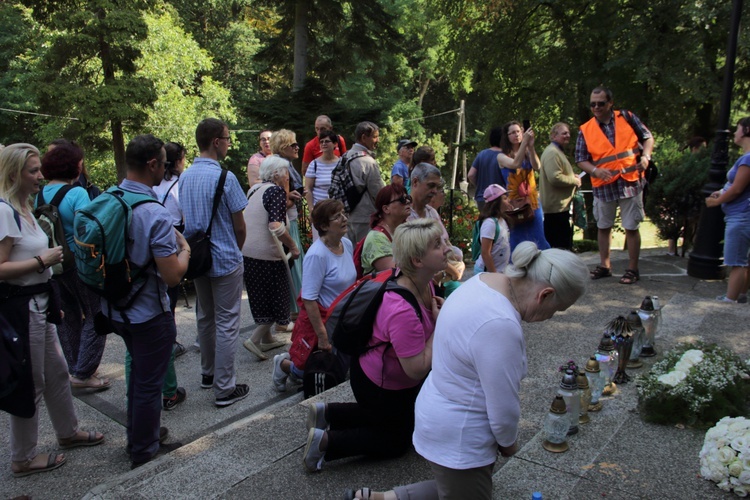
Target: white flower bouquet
{"x":725,"y":456}
{"x":695,"y":384}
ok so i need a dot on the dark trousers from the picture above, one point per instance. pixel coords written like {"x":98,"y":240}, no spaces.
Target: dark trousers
{"x":150,"y":345}
{"x":557,"y":230}
{"x":379,"y":424}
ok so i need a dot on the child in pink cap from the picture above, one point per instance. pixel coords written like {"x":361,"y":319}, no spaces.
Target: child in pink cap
{"x":493,"y":231}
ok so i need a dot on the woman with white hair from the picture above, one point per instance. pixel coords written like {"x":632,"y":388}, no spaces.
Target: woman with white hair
{"x":386,"y":378}
{"x":469,"y":407}
{"x":30,"y":306}
{"x":266,"y":280}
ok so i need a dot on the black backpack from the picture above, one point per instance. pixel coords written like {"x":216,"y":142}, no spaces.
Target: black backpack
{"x":323,"y":370}
{"x":342,"y":183}
{"x":48,"y":217}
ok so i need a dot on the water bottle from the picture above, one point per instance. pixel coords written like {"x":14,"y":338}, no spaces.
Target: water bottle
{"x":537,"y":495}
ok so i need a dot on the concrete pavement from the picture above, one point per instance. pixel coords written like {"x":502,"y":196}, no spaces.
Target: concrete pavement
{"x":253,"y":449}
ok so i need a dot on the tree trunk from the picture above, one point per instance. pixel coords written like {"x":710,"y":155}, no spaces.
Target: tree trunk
{"x":423,"y":87}
{"x":118,"y":139}
{"x":301,"y":15}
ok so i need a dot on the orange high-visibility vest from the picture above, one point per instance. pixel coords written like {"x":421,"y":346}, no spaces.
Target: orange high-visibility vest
{"x":617,"y":157}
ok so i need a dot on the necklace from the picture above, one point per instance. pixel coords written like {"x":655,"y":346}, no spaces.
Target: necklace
{"x":420,"y":295}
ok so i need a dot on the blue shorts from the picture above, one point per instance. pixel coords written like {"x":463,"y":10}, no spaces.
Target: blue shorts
{"x":736,"y":239}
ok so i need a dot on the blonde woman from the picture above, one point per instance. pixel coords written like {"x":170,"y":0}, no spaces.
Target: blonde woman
{"x":29,"y":306}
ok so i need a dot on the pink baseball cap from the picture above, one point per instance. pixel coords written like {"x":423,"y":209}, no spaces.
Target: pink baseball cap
{"x":493,"y":192}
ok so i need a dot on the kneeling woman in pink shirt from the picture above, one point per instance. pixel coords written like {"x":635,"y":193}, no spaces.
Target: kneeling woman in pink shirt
{"x":386,"y":379}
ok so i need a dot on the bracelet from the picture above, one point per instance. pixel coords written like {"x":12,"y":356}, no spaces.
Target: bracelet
{"x":592,"y":172}
{"x":42,"y":267}
{"x":185,"y":250}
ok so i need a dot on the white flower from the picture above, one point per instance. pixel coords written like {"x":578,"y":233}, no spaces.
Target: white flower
{"x":724,"y":485}
{"x":735,"y":468}
{"x":740,"y":491}
{"x":739,"y":425}
{"x":726,"y":455}
{"x":740,"y":443}
{"x":672,"y":378}
{"x":744,"y":476}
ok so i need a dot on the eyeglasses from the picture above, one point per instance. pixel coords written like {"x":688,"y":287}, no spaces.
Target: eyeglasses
{"x":293,"y":145}
{"x":227,"y":138}
{"x":339,"y":217}
{"x":598,"y":104}
{"x":326,"y":141}
{"x":404,"y":200}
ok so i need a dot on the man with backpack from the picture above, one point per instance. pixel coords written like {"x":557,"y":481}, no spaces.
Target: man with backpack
{"x":147,"y":325}
{"x":219,"y":291}
{"x":365,"y":174}
{"x":608,"y":150}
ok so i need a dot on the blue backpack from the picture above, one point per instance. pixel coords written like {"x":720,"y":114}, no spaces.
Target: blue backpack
{"x":101,"y":244}
{"x":476,"y":238}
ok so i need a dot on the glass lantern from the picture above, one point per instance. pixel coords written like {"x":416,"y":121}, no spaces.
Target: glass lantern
{"x":596,"y":383}
{"x":556,"y":427}
{"x":571,"y":395}
{"x":608,"y":359}
{"x":638,"y":333}
{"x":583,"y":387}
{"x":650,"y":318}
{"x":622,"y":337}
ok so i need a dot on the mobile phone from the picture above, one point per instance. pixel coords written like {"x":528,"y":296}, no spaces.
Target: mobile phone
{"x":526,"y":124}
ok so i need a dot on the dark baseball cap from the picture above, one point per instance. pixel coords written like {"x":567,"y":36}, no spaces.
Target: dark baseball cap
{"x":405,"y":142}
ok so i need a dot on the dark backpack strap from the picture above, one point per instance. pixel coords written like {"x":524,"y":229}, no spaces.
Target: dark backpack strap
{"x":631,"y":121}
{"x":58,"y":198}
{"x":217,"y":199}
{"x":406,"y":295}
{"x":16,"y":215}
{"x":166,"y":195}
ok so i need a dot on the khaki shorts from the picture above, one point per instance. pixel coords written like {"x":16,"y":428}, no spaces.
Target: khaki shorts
{"x":631,"y":212}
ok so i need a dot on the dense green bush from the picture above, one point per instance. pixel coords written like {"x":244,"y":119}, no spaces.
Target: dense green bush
{"x":674,"y":200}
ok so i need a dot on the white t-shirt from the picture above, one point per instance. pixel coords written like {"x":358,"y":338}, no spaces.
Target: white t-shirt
{"x":28,"y":241}
{"x":321,"y":172}
{"x":325,"y":275}
{"x":470,"y":402}
{"x":172,"y":203}
{"x":500,"y":251}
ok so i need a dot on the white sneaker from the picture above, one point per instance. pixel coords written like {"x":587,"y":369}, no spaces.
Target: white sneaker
{"x":279,"y":375}
{"x":313,"y":457}
{"x":723,"y":298}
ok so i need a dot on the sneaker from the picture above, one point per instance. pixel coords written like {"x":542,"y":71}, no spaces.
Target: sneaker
{"x":723,"y":298}
{"x":316,"y":416}
{"x":171,"y":403}
{"x":279,"y":375}
{"x":163,"y":450}
{"x":207,"y":381}
{"x":742,"y":298}
{"x":178,"y":349}
{"x":313,"y":457}
{"x":255,"y":349}
{"x":241,"y":391}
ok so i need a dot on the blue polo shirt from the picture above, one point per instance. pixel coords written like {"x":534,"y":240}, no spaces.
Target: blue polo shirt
{"x":151,"y":235}
{"x":197,"y":187}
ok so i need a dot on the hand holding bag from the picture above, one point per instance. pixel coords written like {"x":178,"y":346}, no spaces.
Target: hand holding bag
{"x":200,"y":243}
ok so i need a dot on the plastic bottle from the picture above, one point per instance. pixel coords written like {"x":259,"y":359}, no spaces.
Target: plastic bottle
{"x":537,"y":495}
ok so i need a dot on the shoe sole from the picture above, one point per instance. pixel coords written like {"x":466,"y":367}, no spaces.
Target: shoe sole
{"x":222,"y":404}
{"x":310,"y":439}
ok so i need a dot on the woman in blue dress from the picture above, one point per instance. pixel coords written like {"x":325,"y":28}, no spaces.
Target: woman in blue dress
{"x":518,"y":161}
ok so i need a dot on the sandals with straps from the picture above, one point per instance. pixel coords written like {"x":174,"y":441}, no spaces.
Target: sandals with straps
{"x":630,"y":277}
{"x":600,"y":272}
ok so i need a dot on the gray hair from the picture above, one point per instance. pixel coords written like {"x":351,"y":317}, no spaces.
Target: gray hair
{"x":364,"y":128}
{"x":272,"y":167}
{"x":411,"y":240}
{"x":423,"y":170}
{"x":562,"y":270}
{"x":556,"y":129}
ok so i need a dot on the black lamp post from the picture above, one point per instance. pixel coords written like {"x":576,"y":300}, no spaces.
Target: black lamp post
{"x":705,"y":259}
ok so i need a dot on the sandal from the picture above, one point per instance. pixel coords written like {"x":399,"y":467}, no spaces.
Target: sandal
{"x":352,"y":495}
{"x":26,"y":469}
{"x":91,"y":439}
{"x":600,"y":272}
{"x":93,"y":382}
{"x":630,"y":277}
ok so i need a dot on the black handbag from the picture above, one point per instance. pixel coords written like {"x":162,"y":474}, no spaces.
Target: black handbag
{"x":200,"y":243}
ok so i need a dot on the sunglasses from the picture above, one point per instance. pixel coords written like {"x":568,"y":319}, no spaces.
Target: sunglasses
{"x":598,"y":104}
{"x":293,"y":145}
{"x":404,"y":200}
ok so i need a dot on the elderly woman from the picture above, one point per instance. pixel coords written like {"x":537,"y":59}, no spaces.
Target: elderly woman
{"x":386,"y":379}
{"x":393,"y":207}
{"x":518,"y":161}
{"x":266,"y":272}
{"x":284,"y":144}
{"x":29,"y":306}
{"x":329,"y":270}
{"x":479,"y":360}
{"x":82,"y":346}
{"x":253,"y":164}
{"x":735,"y":203}
{"x":318,"y":174}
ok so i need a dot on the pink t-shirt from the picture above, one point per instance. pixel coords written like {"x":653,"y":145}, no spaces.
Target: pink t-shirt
{"x":396,"y":322}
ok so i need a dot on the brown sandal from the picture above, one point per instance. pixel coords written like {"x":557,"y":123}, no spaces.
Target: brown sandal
{"x":600,"y":272}
{"x":74,"y":442}
{"x":21,"y":469}
{"x":630,"y":277}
